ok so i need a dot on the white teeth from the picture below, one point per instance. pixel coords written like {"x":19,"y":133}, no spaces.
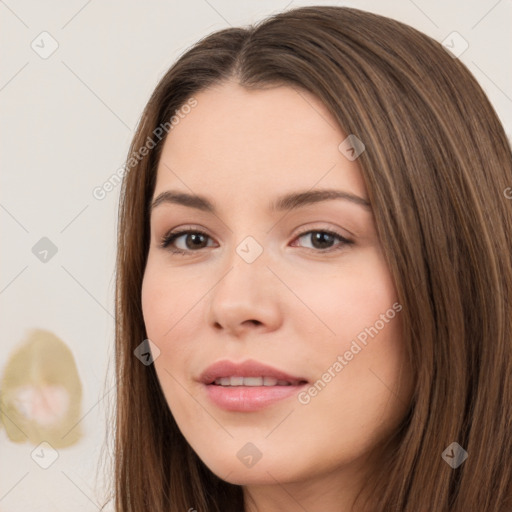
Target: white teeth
{"x":237,"y":381}
{"x":251,"y":381}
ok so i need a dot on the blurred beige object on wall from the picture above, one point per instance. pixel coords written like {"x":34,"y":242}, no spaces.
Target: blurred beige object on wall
{"x":41,"y":392}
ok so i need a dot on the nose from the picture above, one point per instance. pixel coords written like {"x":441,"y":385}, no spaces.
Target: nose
{"x":247,"y":297}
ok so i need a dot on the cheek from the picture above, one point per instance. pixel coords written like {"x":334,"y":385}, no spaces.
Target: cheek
{"x":359,"y":367}
{"x":361,"y":392}
{"x":173,"y":317}
{"x":166,"y":307}
{"x":165,"y":299}
{"x":353,"y":299}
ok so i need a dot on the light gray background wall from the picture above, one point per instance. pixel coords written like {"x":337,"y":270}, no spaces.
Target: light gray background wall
{"x":67,"y":121}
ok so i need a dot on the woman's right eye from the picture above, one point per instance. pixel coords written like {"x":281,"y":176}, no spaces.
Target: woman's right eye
{"x":195,"y":237}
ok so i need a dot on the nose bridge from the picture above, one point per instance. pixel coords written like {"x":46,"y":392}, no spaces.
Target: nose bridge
{"x":243,"y":291}
{"x":250,"y":244}
{"x":250,"y":250}
{"x":246,"y":267}
{"x":249,"y":233}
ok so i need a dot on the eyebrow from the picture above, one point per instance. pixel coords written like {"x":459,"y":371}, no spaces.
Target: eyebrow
{"x":291,"y":201}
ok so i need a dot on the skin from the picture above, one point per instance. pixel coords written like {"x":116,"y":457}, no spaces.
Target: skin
{"x":297,"y":307}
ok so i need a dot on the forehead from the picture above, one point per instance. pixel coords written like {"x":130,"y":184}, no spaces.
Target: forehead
{"x":256,"y":140}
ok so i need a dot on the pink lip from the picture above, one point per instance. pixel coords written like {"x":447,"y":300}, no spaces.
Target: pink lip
{"x":247,"y":398}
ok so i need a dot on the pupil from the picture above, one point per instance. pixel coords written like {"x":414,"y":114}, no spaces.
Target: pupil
{"x":322,"y":237}
{"x":196,"y":239}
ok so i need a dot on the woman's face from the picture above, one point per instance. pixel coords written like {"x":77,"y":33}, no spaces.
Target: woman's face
{"x":273,"y":286}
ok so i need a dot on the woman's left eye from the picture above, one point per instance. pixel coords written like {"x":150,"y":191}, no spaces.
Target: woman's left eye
{"x":319,"y":238}
{"x":194,"y":239}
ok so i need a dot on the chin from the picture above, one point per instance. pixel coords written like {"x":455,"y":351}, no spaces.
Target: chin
{"x":252,"y":476}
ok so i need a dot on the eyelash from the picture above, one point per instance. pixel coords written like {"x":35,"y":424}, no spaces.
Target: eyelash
{"x":172,"y":236}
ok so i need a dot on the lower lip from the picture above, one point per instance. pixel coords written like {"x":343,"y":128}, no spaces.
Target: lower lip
{"x":249,"y":398}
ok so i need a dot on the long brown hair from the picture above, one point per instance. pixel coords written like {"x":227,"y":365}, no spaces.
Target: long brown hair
{"x":437,"y":166}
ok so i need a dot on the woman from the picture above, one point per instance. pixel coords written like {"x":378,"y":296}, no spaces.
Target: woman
{"x":314,"y":277}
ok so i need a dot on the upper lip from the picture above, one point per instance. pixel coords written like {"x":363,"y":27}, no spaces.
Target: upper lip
{"x":249,"y":368}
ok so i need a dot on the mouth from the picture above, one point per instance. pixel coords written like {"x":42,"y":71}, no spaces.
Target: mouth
{"x":254,"y":381}
{"x":248,"y":386}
